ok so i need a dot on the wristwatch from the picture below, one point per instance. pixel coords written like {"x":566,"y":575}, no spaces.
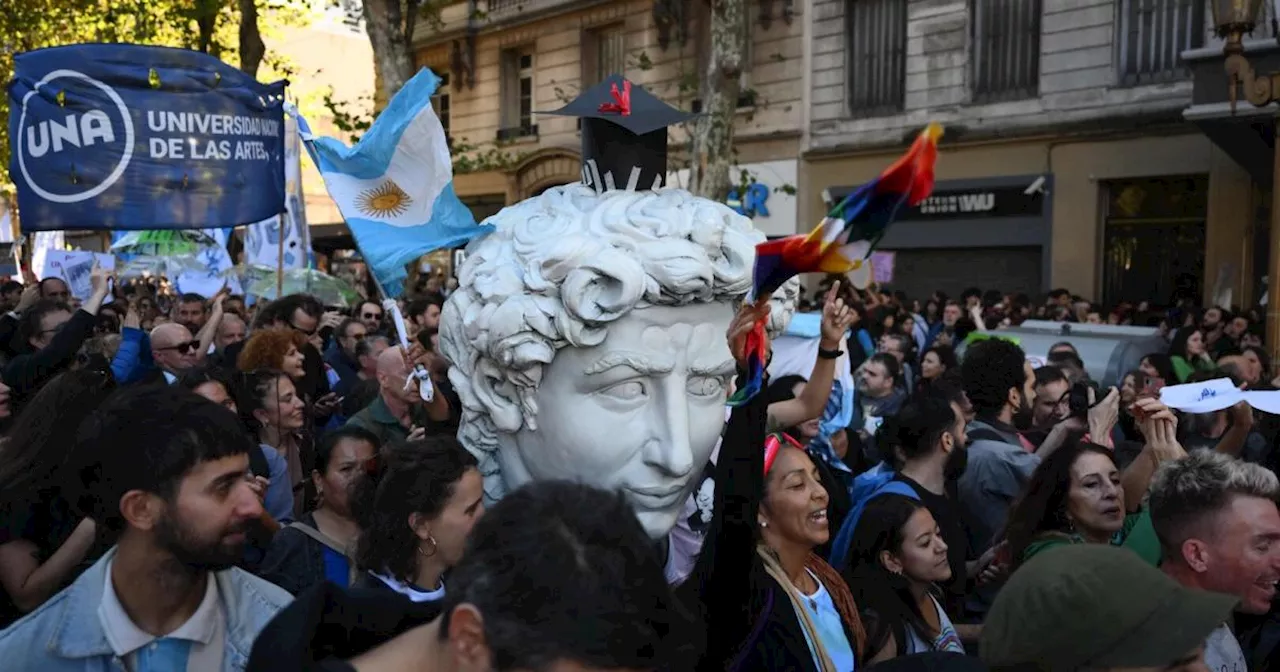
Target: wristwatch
{"x":829,"y":354}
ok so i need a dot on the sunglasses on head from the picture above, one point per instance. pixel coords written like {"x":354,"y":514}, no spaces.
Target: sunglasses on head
{"x":184,"y":348}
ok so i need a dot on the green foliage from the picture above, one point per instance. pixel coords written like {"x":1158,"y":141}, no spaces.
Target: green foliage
{"x":468,"y":158}
{"x":640,"y":62}
{"x":352,"y":123}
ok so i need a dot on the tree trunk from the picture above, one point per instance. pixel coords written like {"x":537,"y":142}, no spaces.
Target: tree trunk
{"x":712,"y":143}
{"x":393,"y":62}
{"x":252,"y":49}
{"x":205,"y":13}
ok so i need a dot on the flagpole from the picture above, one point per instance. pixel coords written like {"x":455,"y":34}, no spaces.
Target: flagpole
{"x":280,"y":256}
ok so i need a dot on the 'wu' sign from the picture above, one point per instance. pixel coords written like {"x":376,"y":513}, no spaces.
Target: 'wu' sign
{"x":110,"y":136}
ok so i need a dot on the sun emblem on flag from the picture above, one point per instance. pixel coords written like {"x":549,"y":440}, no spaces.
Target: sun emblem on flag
{"x":386,"y":200}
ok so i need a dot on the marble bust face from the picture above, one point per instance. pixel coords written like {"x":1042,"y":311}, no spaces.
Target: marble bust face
{"x":587,"y":336}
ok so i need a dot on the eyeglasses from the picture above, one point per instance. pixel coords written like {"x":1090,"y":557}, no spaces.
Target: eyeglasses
{"x":184,"y":348}
{"x":371,"y":316}
{"x":304,"y":332}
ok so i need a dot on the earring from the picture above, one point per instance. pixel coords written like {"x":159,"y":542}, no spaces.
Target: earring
{"x":434,"y":547}
{"x":764,"y":523}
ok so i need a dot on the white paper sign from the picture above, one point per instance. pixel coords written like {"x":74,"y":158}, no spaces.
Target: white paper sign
{"x":1216,"y":395}
{"x":216,"y":264}
{"x":75,"y":267}
{"x":42,"y":243}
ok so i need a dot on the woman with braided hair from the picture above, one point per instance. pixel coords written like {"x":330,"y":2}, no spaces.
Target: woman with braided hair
{"x":770,"y":515}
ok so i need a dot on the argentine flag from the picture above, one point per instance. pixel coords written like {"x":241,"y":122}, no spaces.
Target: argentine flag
{"x":395,"y":186}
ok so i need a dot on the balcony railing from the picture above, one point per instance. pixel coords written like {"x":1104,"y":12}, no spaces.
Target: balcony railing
{"x":877,"y":65}
{"x":1152,"y":36}
{"x":505,"y":9}
{"x":1006,"y":49}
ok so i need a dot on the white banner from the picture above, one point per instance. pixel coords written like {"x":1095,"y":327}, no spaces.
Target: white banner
{"x":216,"y":266}
{"x":262,"y":240}
{"x":74,"y":267}
{"x":42,"y":243}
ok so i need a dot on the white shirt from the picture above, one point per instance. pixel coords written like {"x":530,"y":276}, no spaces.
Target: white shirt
{"x":416,"y":596}
{"x":1222,"y":651}
{"x":206,"y":630}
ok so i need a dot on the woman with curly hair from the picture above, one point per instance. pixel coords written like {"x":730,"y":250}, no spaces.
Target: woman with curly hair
{"x":276,"y":349}
{"x":415,"y":506}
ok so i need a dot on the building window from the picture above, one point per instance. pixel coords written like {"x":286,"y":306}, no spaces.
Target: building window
{"x":1006,"y":49}
{"x":440,"y":102}
{"x":1152,"y":36}
{"x":1153,"y":245}
{"x":517,"y":95}
{"x":877,"y":48}
{"x":604,"y":54}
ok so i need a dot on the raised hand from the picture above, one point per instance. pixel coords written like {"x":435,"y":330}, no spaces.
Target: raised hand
{"x":132,"y":319}
{"x":742,"y":325}
{"x":98,"y":280}
{"x":837,"y":318}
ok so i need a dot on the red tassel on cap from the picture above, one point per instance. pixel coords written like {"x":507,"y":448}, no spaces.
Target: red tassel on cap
{"x":621,"y":100}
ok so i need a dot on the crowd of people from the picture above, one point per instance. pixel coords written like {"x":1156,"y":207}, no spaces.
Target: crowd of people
{"x":203,"y":484}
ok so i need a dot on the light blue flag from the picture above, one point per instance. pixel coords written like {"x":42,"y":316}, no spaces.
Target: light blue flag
{"x":395,"y":186}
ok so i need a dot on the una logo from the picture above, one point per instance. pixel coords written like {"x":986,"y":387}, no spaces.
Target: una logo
{"x":64,"y":135}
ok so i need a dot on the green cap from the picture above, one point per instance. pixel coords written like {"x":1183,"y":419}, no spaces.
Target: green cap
{"x":1092,"y":605}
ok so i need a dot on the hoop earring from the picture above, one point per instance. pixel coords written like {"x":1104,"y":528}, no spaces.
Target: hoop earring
{"x":434,"y":547}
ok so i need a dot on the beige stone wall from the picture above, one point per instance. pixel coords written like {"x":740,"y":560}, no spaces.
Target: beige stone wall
{"x":1078,"y":82}
{"x":770,"y":130}
{"x":327,"y":56}
{"x":1078,"y":170}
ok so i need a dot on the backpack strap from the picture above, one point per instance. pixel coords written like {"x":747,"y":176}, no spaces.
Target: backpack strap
{"x":844,"y":538}
{"x":329,"y":543}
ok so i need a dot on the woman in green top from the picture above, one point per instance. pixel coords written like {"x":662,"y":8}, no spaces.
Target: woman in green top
{"x":1189,"y":353}
{"x":1076,"y":496}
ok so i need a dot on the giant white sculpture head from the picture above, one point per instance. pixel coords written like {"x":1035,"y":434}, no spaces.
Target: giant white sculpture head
{"x":587,"y":336}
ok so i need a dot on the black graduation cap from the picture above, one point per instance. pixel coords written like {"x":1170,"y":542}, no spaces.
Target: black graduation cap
{"x":624,"y":135}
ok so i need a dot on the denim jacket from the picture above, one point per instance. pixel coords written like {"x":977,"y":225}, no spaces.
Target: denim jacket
{"x":65,"y":635}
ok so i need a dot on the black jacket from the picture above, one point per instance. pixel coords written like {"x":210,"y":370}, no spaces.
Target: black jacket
{"x":327,"y":624}
{"x":749,"y":621}
{"x":294,"y":560}
{"x":28,"y":372}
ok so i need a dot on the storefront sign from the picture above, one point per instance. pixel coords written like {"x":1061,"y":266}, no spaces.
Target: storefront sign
{"x":974,"y":203}
{"x":752,"y":202}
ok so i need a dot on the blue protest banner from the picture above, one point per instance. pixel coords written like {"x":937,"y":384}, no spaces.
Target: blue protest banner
{"x":123,"y":136}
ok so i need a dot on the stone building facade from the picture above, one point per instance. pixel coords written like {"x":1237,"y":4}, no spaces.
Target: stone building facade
{"x":508,"y":60}
{"x":1069,"y":160}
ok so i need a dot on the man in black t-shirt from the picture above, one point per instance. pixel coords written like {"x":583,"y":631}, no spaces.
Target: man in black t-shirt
{"x":930,"y":444}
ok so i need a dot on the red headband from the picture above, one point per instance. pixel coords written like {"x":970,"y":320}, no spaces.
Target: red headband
{"x":772,"y":443}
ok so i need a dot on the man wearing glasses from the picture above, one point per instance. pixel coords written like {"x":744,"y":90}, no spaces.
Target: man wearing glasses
{"x":51,"y":334}
{"x":174,"y":350}
{"x":370,"y":313}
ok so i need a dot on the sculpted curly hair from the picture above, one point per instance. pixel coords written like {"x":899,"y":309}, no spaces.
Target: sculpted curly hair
{"x":267,"y":347}
{"x":558,"y":269}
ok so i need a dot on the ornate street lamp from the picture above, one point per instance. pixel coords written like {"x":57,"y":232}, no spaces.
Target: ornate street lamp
{"x":1232,"y":19}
